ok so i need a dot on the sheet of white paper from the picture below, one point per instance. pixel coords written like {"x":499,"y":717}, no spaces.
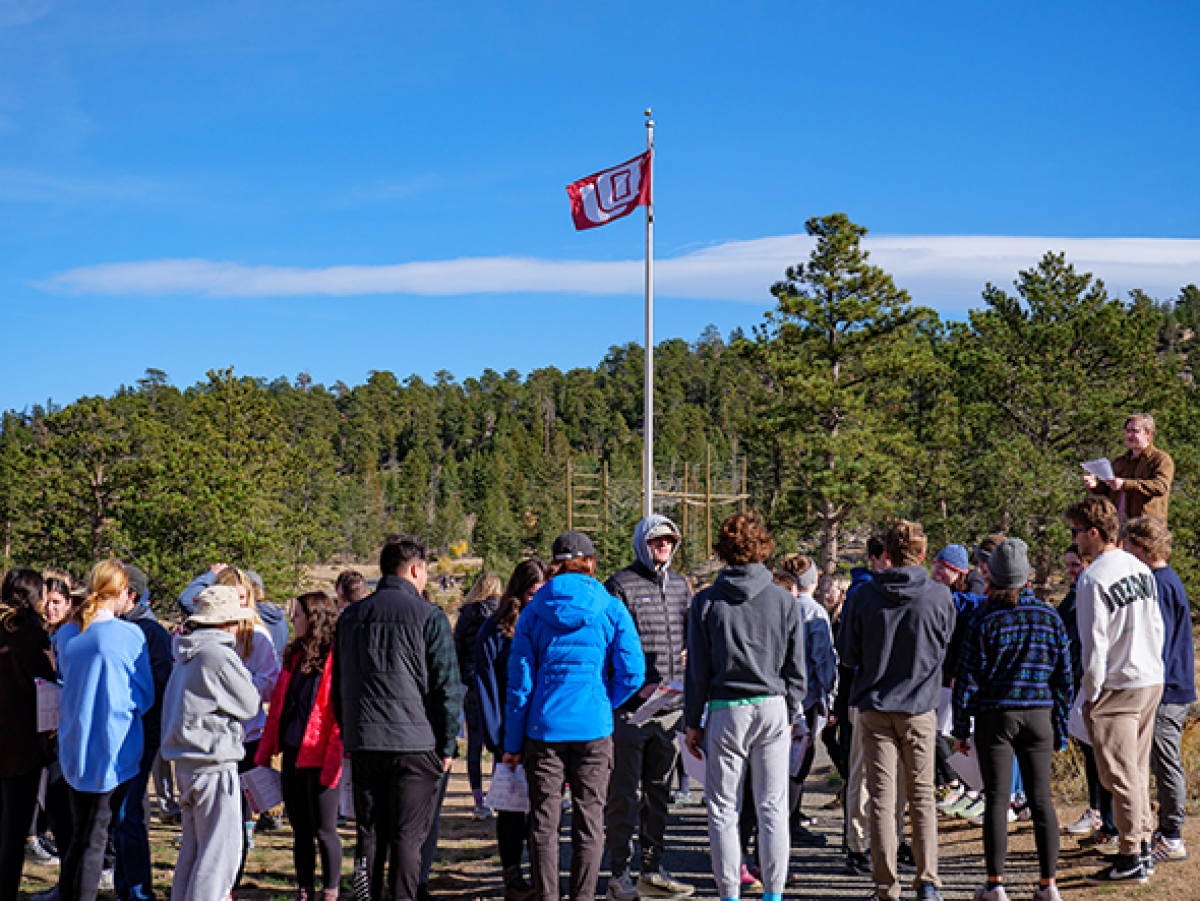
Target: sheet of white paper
{"x":1101,"y":469}
{"x":263,"y":788}
{"x":509,"y":790}
{"x":693,"y":768}
{"x":47,"y":705}
{"x":967,"y":767}
{"x":663,"y":695}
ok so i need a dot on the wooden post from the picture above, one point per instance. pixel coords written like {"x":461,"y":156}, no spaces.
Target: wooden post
{"x":570,"y":496}
{"x":708,"y":500}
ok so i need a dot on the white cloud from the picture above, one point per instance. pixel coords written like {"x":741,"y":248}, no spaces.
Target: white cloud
{"x":947,"y":272}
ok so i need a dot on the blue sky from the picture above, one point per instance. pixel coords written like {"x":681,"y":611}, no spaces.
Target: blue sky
{"x":196,"y":185}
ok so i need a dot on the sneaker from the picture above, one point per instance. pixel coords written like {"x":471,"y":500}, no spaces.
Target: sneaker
{"x":1166,"y":849}
{"x":49,"y":844}
{"x":1099,"y":837}
{"x":1147,"y":858}
{"x":1087,"y":823}
{"x":992,"y":892}
{"x":268,"y":822}
{"x":858,"y":863}
{"x":35,"y":852}
{"x":950,"y":797}
{"x":1109,"y":847}
{"x":621,"y":887}
{"x":750,"y":882}
{"x":974,"y":809}
{"x":1046,"y":893}
{"x":107,"y":880}
{"x":46,"y":894}
{"x":806,"y":821}
{"x":1127,"y":869}
{"x":955,"y":809}
{"x":482,"y":812}
{"x":927,"y":891}
{"x":661,"y":884}
{"x":808,"y":838}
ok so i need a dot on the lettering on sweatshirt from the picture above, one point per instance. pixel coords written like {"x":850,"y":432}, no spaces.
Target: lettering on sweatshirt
{"x":1127,"y":590}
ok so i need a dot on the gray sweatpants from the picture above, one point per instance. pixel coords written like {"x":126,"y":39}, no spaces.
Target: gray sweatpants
{"x":1166,"y":762}
{"x":210,"y":847}
{"x":758,"y":734}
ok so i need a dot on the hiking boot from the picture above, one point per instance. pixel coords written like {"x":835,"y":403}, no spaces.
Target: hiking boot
{"x":1087,"y":823}
{"x":661,"y":884}
{"x":1127,"y":869}
{"x":621,"y":887}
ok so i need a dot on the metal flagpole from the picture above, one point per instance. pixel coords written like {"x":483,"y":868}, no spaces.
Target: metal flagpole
{"x":648,"y":414}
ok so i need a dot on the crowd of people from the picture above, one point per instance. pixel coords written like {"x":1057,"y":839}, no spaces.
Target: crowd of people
{"x":591,"y":692}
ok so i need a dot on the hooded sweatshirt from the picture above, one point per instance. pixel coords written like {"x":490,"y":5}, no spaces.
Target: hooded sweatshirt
{"x":658,"y":600}
{"x":271,"y":614}
{"x":895,"y":636}
{"x":158,"y":642}
{"x":574,"y":658}
{"x":210,"y":695}
{"x":745,"y":641}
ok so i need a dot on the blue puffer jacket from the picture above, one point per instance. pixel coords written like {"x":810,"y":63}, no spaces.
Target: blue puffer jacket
{"x":575,"y":657}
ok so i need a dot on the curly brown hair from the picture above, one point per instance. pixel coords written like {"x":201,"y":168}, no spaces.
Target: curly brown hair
{"x":309,"y":652}
{"x":906,"y":543}
{"x":744,"y":538}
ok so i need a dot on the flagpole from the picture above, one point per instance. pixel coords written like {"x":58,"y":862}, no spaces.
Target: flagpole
{"x":648,"y":414}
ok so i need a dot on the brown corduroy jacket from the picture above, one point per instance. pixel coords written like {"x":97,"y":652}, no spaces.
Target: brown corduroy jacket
{"x":1148,"y":480}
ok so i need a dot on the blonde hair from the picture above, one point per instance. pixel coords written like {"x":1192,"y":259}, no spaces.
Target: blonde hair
{"x":486,"y":587}
{"x":235,"y":578}
{"x":107,"y":580}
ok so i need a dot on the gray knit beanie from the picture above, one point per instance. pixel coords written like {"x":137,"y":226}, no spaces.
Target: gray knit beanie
{"x":1008,"y":566}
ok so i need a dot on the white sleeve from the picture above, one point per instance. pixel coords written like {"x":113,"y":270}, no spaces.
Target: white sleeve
{"x":1092,"y":618}
{"x":263,"y":665}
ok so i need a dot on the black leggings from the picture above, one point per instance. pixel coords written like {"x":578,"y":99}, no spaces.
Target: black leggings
{"x":1030,"y":735}
{"x":1099,"y":798}
{"x":92,"y":812}
{"x":18,"y":799}
{"x":511,"y":829}
{"x":312,"y":809}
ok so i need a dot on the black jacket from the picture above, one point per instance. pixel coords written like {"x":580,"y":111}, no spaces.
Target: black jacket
{"x":158,"y":642}
{"x":896,"y":633}
{"x":395,"y":677}
{"x":466,"y":634}
{"x":658,"y":602}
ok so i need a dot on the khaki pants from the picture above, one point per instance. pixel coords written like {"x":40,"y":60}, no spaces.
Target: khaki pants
{"x":901,"y":742}
{"x":1121,"y":726}
{"x":856,"y":833}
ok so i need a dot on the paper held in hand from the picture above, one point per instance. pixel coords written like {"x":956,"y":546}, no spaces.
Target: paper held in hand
{"x":1101,"y":469}
{"x":509,"y":790}
{"x":47,"y":705}
{"x":663,"y":695}
{"x":693,"y":768}
{"x":967,"y":767}
{"x":263,"y":788}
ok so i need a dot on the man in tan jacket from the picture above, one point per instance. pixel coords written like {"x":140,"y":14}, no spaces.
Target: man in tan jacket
{"x":1142,"y":476}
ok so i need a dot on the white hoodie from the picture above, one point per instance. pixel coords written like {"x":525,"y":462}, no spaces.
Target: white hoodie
{"x":1120,"y":625}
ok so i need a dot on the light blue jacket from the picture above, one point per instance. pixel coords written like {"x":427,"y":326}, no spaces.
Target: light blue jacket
{"x":107,"y":687}
{"x":575,"y":657}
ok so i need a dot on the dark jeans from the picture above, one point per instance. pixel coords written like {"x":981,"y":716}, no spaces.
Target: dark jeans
{"x":429,"y":848}
{"x":245,"y":765}
{"x":639,"y":791}
{"x":58,"y":810}
{"x":512,"y":828}
{"x":1099,"y":798}
{"x":18,"y":800}
{"x":92,"y":813}
{"x":474,"y":740}
{"x":587,"y":766}
{"x":312,"y":809}
{"x":394,"y":799}
{"x":1030,"y":735}
{"x":134,"y":879}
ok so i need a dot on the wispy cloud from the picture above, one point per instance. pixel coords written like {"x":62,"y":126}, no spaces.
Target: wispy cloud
{"x":945,"y":271}
{"x":32,"y":186}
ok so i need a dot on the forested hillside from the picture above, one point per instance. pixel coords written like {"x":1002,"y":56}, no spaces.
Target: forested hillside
{"x":847,"y":404}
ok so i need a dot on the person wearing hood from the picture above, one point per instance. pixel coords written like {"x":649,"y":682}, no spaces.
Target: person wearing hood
{"x":209,"y":697}
{"x":746,"y":664}
{"x":575,"y":658}
{"x":134,"y":879}
{"x":895,"y":634}
{"x":644,"y":756}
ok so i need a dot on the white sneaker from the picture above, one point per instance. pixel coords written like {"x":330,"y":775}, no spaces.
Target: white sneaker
{"x":107,"y":881}
{"x":1088,"y":822}
{"x":621,"y":888}
{"x":661,"y":884}
{"x":995,"y":893}
{"x":1046,"y":893}
{"x":482,"y":812}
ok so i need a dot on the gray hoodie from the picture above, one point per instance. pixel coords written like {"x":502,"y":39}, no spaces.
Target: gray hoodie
{"x":210,"y":695}
{"x":745,"y":640}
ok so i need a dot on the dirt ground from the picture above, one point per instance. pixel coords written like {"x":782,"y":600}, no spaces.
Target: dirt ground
{"x":467,"y":867}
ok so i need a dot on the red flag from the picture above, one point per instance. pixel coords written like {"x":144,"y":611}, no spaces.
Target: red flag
{"x":611,"y":194}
